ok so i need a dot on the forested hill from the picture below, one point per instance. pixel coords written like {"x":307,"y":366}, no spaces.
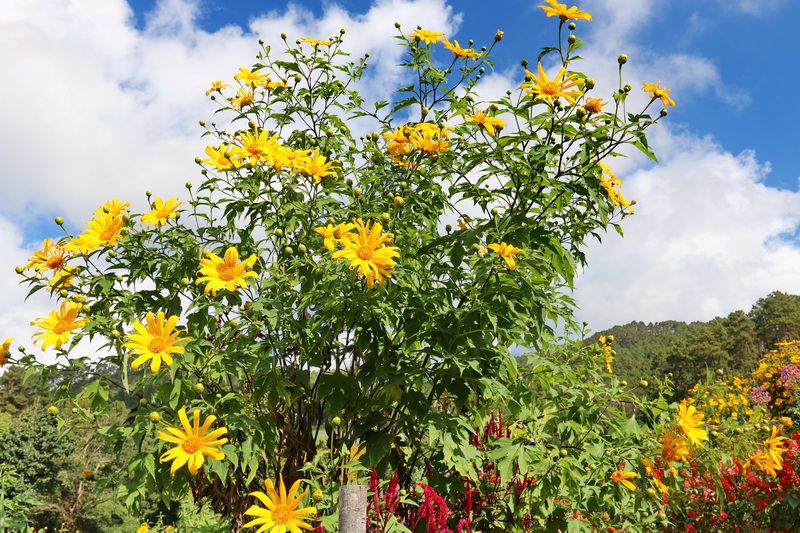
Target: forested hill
{"x":732,"y":343}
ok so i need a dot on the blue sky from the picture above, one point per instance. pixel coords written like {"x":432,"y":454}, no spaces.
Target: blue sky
{"x":751,"y":51}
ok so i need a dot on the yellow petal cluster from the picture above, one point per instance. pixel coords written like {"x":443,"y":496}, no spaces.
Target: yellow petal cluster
{"x":280,"y":513}
{"x":368,"y":252}
{"x":225,"y":273}
{"x":555,"y":9}
{"x":193,"y":442}
{"x":162,"y":212}
{"x":507,"y":252}
{"x":551,"y":89}
{"x":58,"y":326}
{"x":155,"y":342}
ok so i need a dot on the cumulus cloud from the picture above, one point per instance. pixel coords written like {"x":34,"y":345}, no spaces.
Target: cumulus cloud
{"x":708,"y":237}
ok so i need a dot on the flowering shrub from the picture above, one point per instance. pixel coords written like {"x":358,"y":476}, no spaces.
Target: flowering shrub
{"x":309,"y":311}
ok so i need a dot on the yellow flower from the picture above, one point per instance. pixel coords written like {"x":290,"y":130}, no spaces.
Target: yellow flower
{"x":155,"y":342}
{"x":367,"y":251}
{"x":193,"y":442}
{"x":5,"y":351}
{"x":52,"y":256}
{"x":280,"y":513}
{"x":105,"y":229}
{"x":144,"y":528}
{"x":489,"y":123}
{"x":594,"y":105}
{"x":257,"y":146}
{"x":429,"y":138}
{"x":335,"y":235}
{"x":113,"y":207}
{"x":654,"y":475}
{"x":554,"y":9}
{"x":612,"y":184}
{"x":251,"y":78}
{"x":317,"y":166}
{"x":315,"y":42}
{"x":81,"y":244}
{"x":507,"y":252}
{"x":775,"y":445}
{"x":227,"y":273}
{"x":458,"y":51}
{"x":658,"y":92}
{"x":243,"y":97}
{"x":163,"y":212}
{"x":427,"y":36}
{"x":216,"y":86}
{"x":690,"y":421}
{"x":58,"y":325}
{"x":674,"y":449}
{"x":546,"y":89}
{"x":622,"y":477}
{"x":284,"y":157}
{"x":270,"y":85}
{"x":220,"y":157}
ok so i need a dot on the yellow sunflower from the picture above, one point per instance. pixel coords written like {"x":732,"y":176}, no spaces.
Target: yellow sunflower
{"x":489,"y":123}
{"x":613,"y":186}
{"x":52,"y":256}
{"x":554,"y":9}
{"x":162,"y":212}
{"x":113,"y":207}
{"x":546,"y":89}
{"x":367,"y":251}
{"x":458,"y":51}
{"x":317,"y":166}
{"x":81,"y":244}
{"x":335,"y":235}
{"x":193,"y":442}
{"x":155,"y":342}
{"x":507,"y":252}
{"x":242,"y":98}
{"x":216,"y":86}
{"x":5,"y":351}
{"x":658,"y":92}
{"x":315,"y":42}
{"x":228,"y":273}
{"x":257,"y":146}
{"x":594,"y":105}
{"x":58,"y":325}
{"x":247,"y":77}
{"x":622,"y":477}
{"x":690,"y":421}
{"x":427,"y":36}
{"x":280,"y":512}
{"x":105,"y":229}
{"x":220,"y":157}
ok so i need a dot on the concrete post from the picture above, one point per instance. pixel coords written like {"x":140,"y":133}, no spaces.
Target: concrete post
{"x":353,"y":509}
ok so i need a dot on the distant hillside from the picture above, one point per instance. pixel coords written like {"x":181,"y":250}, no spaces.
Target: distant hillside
{"x":732,"y":343}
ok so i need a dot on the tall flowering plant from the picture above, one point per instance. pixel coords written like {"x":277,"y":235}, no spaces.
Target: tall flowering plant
{"x":345,"y":271}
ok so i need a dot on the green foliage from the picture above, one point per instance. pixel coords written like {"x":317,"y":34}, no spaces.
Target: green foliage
{"x":687,"y":351}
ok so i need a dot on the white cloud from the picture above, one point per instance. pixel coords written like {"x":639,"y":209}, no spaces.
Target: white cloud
{"x":708,"y":237}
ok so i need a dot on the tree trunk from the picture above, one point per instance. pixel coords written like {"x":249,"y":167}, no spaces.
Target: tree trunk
{"x":353,"y":509}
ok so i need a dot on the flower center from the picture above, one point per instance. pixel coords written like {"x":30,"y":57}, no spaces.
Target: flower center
{"x":156,"y":345}
{"x":254,"y":149}
{"x":55,"y":263}
{"x":281,"y":515}
{"x":550,"y":88}
{"x":107,"y":234}
{"x":61,"y":326}
{"x":191,"y":445}
{"x":365,"y":253}
{"x":225,"y":272}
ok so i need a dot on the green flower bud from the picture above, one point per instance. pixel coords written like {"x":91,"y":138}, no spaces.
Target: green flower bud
{"x":59,"y":221}
{"x":589,"y":83}
{"x":651,"y":492}
{"x":336,"y":421}
{"x":116,"y":333}
{"x":448,"y":228}
{"x":664,"y":112}
{"x":643,"y":384}
{"x":288,"y":250}
{"x":185,"y":281}
{"x":143,"y":402}
{"x":571,"y":39}
{"x":318,"y":496}
{"x":524,"y":63}
{"x":279,"y":233}
{"x":397,"y":25}
{"x":199,"y":388}
{"x":385,"y":218}
{"x":154,"y":416}
{"x":563,"y":452}
{"x":19,"y":269}
{"x":188,"y":184}
{"x":52,"y":410}
{"x":301,"y":249}
{"x":622,"y":59}
{"x":398,"y":201}
{"x":571,"y":26}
